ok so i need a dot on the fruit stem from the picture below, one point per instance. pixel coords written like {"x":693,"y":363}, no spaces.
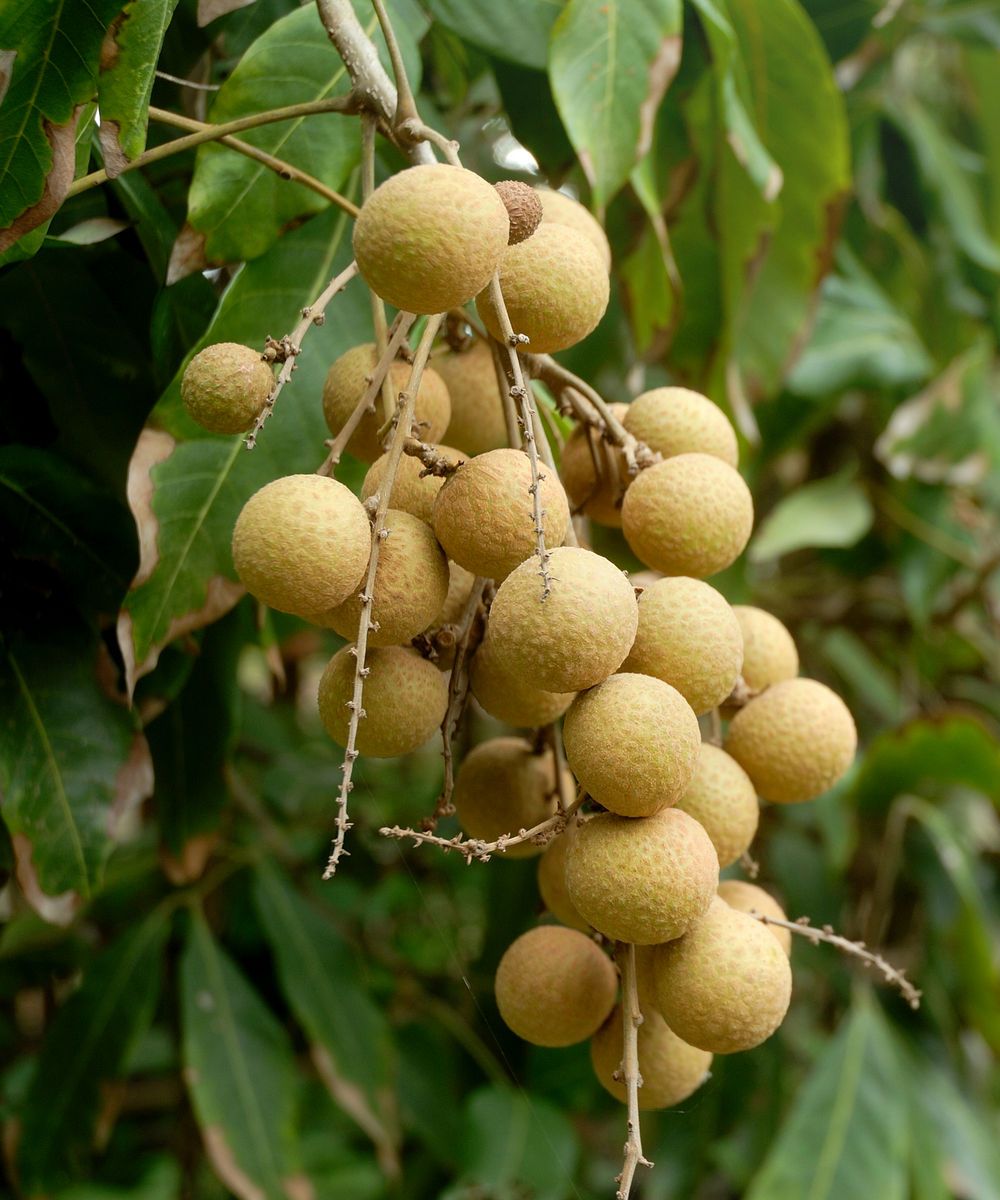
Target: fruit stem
{"x":631,"y":1020}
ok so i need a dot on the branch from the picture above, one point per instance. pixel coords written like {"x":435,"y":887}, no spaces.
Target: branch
{"x":631,"y":1020}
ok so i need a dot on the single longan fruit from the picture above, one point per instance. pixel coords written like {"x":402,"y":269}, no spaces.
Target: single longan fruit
{"x":348,"y":379}
{"x":795,"y":740}
{"x":503,"y":787}
{"x":460,"y":585}
{"x":552,"y":882}
{"x":726,"y":984}
{"x":524,"y":208}
{"x":301,"y":544}
{"x":405,"y":698}
{"x":510,"y":696}
{"x":688,"y":515}
{"x":411,"y":491}
{"x":632,"y":742}
{"x":573,"y":637}
{"x":430,"y":237}
{"x":689,"y":638}
{"x":642,"y":879}
{"x":594,"y":473}
{"x":555,"y":289}
{"x":224,"y":387}
{"x":560,"y":209}
{"x":722,"y":799}
{"x":747,"y":897}
{"x":483,"y":515}
{"x":477,"y":420}
{"x":669,"y":1068}
{"x":769,"y":653}
{"x":411,"y":583}
{"x":676,"y":420}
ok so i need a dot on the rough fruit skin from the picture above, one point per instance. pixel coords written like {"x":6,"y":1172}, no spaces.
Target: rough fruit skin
{"x":744,"y":896}
{"x":430,"y":237}
{"x":769,"y":653}
{"x":723,"y":801}
{"x":595,"y":493}
{"x":670,"y":1069}
{"x":483,"y":515}
{"x":411,"y":583}
{"x":560,"y":209}
{"x":511,"y":697}
{"x":410,"y":492}
{"x":726,"y":984}
{"x":676,"y":420}
{"x":405,"y":698}
{"x":502,"y":787}
{"x":224,"y":387}
{"x":688,"y":515}
{"x":301,"y":544}
{"x":524,"y":208}
{"x":632,"y":742}
{"x":578,"y":635}
{"x":555,"y":288}
{"x":794,"y":740}
{"x":642,"y":880}
{"x":554,"y":986}
{"x":477,"y":421}
{"x":689,"y":638}
{"x":552,"y":882}
{"x":345,"y":384}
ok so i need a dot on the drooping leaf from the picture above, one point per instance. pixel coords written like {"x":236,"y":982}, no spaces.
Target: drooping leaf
{"x":88,"y":1043}
{"x":846,"y":1137}
{"x":834,"y":511}
{"x":610,"y":64}
{"x":517,"y":31}
{"x":240,"y":1072}
{"x":125,"y":84}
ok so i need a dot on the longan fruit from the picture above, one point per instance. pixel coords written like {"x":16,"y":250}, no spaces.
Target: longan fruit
{"x":560,"y":209}
{"x":722,"y":799}
{"x":552,"y":882}
{"x":412,"y":491}
{"x":224,"y":387}
{"x":509,"y":696}
{"x":676,"y":420}
{"x":769,"y":653}
{"x":595,"y":491}
{"x":477,"y":417}
{"x":740,"y":894}
{"x":669,"y":1068}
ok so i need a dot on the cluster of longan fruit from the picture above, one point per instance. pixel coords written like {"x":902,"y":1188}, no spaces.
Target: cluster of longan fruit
{"x":644,"y":811}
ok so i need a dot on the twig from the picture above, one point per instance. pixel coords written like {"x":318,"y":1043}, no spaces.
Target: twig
{"x":631,"y":1020}
{"x":379,"y":533}
{"x":290,"y":346}
{"x":406,"y":106}
{"x":855,"y":949}
{"x":377,"y":307}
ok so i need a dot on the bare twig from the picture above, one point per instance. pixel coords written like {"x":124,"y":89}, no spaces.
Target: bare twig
{"x":631,"y":1020}
{"x":406,"y":106}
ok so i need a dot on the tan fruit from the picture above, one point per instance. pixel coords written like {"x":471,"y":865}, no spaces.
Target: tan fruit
{"x":688,"y":515}
{"x":503,"y":787}
{"x":554,"y":986}
{"x":748,"y":897}
{"x":769,"y":653}
{"x":675,"y":420}
{"x":722,"y":799}
{"x":411,"y":583}
{"x":345,"y":384}
{"x":642,"y":880}
{"x":594,"y":474}
{"x":483,"y":515}
{"x":430,"y":237}
{"x":555,"y":288}
{"x":524,"y":208}
{"x":689,"y":638}
{"x":411,"y":491}
{"x":301,"y":543}
{"x":552,"y":882}
{"x":460,"y":584}
{"x":510,"y":696}
{"x":795,"y":740}
{"x":224,"y":387}
{"x":670,"y":1069}
{"x":632,"y":742}
{"x":577,"y":635}
{"x":477,"y":421}
{"x":560,"y":209}
{"x":726,"y":984}
{"x":404,"y":699}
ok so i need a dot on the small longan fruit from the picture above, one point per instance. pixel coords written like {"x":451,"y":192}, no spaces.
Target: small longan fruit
{"x":412,"y":491}
{"x":688,"y":515}
{"x":723,"y":801}
{"x":511,"y":697}
{"x":795,"y":740}
{"x":769,"y":653}
{"x":676,"y":420}
{"x":669,"y":1068}
{"x":430,"y":237}
{"x":560,"y":209}
{"x":524,"y":208}
{"x":477,"y":416}
{"x":594,"y":473}
{"x":224,"y":387}
{"x":554,"y":986}
{"x":747,"y":897}
{"x":552,"y":882}
{"x":301,"y":544}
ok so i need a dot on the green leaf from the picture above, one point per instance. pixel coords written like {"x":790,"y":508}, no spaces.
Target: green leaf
{"x":317,"y":971}
{"x":125,"y":84}
{"x":610,"y":64}
{"x":240,"y":1072}
{"x":57,"y":49}
{"x":517,"y":31}
{"x":88,"y":1043}
{"x":873,"y":682}
{"x":160,"y":1181}
{"x":69,"y":748}
{"x":200,"y":487}
{"x":847,"y":1135}
{"x":834,"y":511}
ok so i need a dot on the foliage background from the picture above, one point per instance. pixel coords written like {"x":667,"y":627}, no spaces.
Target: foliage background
{"x":806,"y":224}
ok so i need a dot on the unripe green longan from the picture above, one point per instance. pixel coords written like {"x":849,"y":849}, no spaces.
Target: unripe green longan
{"x":224,"y":387}
{"x":670,"y":1069}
